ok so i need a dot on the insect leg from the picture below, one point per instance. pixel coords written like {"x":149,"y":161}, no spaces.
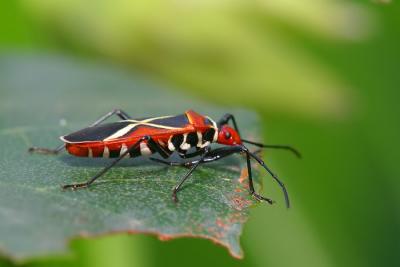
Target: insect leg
{"x":212,"y":155}
{"x":178,"y":186}
{"x":169,"y":163}
{"x":222,"y":152}
{"x":262,"y":163}
{"x":225,"y":120}
{"x":163,"y":153}
{"x":251,"y":185}
{"x":47,"y":151}
{"x":193,"y":154}
{"x":184,"y":178}
{"x":104,"y":170}
{"x":183,"y":156}
{"x":120,"y":113}
{"x":158,"y":148}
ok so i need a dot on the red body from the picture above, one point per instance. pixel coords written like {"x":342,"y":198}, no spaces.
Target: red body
{"x":88,"y":146}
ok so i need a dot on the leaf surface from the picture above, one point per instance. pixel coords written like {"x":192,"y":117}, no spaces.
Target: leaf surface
{"x":43,"y":97}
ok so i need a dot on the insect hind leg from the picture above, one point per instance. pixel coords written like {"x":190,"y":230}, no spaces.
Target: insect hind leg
{"x":46,"y":151}
{"x":118,"y":112}
{"x":107,"y":168}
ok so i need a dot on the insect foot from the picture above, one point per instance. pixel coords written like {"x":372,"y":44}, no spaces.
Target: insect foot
{"x":260,"y":198}
{"x":175,"y":197}
{"x":44,"y":151}
{"x":188,"y":164}
{"x":74,"y":186}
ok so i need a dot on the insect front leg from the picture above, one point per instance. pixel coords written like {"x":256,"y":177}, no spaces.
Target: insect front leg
{"x":107,"y":168}
{"x":251,"y":184}
{"x":223,"y":152}
{"x":118,"y":112}
{"x":274,"y":176}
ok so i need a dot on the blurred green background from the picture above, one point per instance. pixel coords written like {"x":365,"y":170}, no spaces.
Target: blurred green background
{"x":323,"y":75}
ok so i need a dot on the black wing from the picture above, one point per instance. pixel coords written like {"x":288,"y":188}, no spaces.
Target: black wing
{"x":177,"y":121}
{"x":106,"y":130}
{"x":95,"y":133}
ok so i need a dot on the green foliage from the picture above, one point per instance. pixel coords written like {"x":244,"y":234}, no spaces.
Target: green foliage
{"x":38,"y":218}
{"x":233,"y":47}
{"x":17,"y":30}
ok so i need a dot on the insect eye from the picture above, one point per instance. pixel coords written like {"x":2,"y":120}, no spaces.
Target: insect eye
{"x":227,"y":135}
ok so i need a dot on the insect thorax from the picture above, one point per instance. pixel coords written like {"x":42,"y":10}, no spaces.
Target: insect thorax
{"x":186,"y":141}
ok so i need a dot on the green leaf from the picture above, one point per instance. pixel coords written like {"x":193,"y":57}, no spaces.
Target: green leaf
{"x":43,"y":97}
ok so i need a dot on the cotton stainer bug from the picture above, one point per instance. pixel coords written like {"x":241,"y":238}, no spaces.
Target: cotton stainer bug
{"x":189,"y":134}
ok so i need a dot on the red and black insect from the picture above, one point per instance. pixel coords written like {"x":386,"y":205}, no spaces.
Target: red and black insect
{"x":189,"y":135}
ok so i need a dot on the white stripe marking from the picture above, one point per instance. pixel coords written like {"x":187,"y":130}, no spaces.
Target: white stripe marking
{"x":106,"y":152}
{"x":215,"y":135}
{"x":120,"y":132}
{"x":215,"y":138}
{"x":205,"y":144}
{"x":161,"y":143}
{"x":200,"y":138}
{"x":171,"y":146}
{"x":127,"y":128}
{"x":124,"y":148}
{"x":90,"y":153}
{"x":184,"y":145}
{"x":135,"y":123}
{"x":144,"y":149}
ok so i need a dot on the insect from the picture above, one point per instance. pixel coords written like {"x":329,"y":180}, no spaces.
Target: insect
{"x":189,"y":135}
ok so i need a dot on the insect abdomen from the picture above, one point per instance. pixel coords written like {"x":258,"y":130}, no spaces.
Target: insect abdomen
{"x":108,"y":151}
